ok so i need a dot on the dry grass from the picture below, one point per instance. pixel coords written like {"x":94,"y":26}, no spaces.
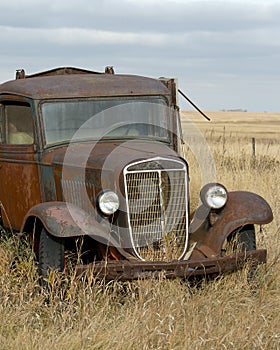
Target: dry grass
{"x":158,"y":314}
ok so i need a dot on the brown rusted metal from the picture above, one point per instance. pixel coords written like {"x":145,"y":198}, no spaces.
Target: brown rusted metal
{"x":84,"y":85}
{"x":58,"y":71}
{"x":242,"y":208}
{"x":131,"y":270}
{"x":19,"y":185}
{"x":65,"y":220}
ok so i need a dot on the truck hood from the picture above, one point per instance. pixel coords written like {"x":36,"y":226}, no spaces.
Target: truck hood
{"x":106,"y":156}
{"x":100,"y":166}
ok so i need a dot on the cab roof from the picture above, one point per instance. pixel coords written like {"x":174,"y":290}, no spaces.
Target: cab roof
{"x":69,"y":82}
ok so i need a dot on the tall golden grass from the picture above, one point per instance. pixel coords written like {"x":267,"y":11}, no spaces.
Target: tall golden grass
{"x":226,"y":313}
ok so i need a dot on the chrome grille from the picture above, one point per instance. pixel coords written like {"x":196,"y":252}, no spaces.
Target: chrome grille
{"x":157,"y":209}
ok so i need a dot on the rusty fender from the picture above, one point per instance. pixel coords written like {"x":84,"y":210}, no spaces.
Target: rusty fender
{"x":242,"y":208}
{"x":65,"y":220}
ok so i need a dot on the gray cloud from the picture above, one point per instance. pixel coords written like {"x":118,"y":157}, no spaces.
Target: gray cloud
{"x":223,"y":52}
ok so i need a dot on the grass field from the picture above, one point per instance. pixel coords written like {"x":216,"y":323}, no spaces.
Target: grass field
{"x":262,"y":125}
{"x":227,"y":313}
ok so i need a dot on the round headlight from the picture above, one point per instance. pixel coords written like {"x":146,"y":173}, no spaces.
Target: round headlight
{"x":214,"y":196}
{"x":108,"y":202}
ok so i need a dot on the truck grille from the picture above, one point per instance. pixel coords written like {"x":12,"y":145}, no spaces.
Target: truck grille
{"x":156,"y":196}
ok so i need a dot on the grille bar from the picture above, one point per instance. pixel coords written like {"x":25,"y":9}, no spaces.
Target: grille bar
{"x":157,"y":209}
{"x":78,"y":192}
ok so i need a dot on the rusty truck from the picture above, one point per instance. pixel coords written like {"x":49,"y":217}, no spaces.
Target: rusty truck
{"x":92,"y":162}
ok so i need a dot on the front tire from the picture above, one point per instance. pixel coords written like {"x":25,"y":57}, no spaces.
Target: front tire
{"x":51,"y":255}
{"x":244,"y":239}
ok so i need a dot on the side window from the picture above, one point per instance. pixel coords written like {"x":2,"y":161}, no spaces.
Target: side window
{"x":18,"y":124}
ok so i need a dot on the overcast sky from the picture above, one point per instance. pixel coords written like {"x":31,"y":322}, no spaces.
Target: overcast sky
{"x":225,"y":53}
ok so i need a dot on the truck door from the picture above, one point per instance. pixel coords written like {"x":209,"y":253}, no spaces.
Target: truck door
{"x":19,"y":181}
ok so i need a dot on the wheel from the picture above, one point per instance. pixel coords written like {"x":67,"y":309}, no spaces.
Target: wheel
{"x":244,"y":239}
{"x":241,"y":240}
{"x":51,"y":255}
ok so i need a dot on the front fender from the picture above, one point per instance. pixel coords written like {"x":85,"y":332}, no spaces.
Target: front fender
{"x":242,"y":208}
{"x":66,"y":220}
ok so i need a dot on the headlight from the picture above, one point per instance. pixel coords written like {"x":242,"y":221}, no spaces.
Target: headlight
{"x":108,"y":202}
{"x":214,"y":196}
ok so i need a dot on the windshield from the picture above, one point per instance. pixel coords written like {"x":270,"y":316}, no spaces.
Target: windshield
{"x":107,"y":118}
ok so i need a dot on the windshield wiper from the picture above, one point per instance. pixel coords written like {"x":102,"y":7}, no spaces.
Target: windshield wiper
{"x":191,"y":102}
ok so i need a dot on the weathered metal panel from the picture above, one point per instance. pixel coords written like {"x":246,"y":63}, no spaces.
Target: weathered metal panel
{"x":67,"y":220}
{"x":47,"y":183}
{"x":131,"y":270}
{"x":19,"y":185}
{"x":243,"y":208}
{"x":85,"y":85}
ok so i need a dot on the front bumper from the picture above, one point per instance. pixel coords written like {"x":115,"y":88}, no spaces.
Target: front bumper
{"x":130,"y":270}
